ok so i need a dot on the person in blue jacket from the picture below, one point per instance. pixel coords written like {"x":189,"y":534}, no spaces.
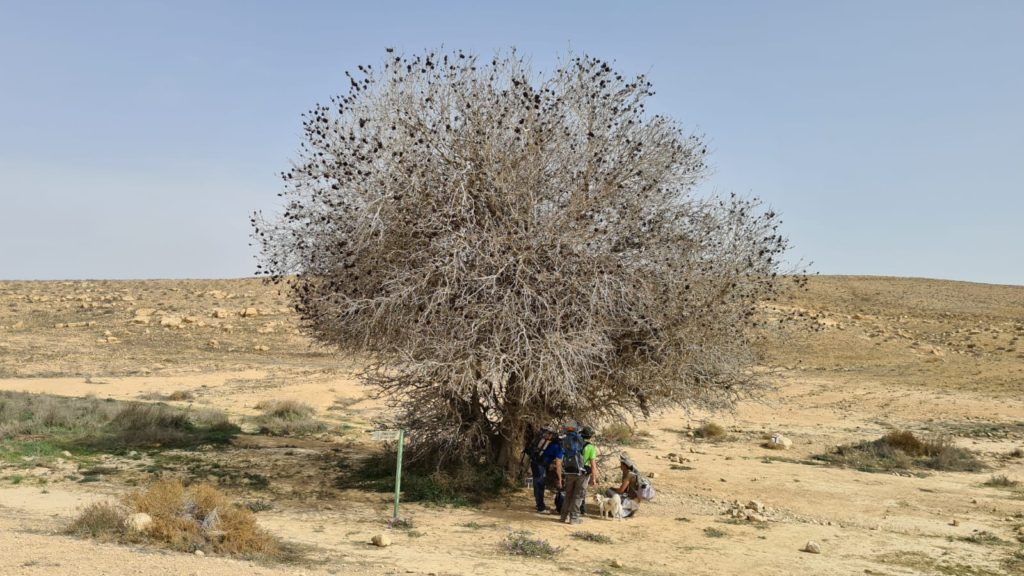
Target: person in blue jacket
{"x":545,"y":459}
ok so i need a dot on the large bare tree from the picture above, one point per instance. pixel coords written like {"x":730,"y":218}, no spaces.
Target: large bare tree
{"x":508,"y":248}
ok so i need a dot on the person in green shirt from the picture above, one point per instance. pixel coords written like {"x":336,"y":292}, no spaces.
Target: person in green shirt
{"x":589,"y":466}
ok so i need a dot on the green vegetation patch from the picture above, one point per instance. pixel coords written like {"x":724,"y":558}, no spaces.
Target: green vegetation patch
{"x":463,"y":486}
{"x":41,"y":426}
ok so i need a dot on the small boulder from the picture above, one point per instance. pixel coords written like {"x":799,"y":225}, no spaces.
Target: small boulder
{"x":812,"y":547}
{"x":615,"y":563}
{"x":381,"y":540}
{"x":139,"y":522}
{"x":780,"y":442}
{"x":200,"y":553}
{"x":171,"y":321}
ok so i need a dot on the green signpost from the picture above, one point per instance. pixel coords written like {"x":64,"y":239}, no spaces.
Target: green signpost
{"x":398,"y":470}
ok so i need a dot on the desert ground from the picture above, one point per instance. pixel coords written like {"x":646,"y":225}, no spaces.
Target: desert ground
{"x":864,"y":357}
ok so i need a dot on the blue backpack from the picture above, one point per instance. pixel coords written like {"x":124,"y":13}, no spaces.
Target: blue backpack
{"x":572,"y":449}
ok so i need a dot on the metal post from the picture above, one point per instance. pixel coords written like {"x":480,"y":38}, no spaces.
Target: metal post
{"x":398,"y":469}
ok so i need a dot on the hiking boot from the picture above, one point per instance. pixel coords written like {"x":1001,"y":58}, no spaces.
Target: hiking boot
{"x":577,"y":521}
{"x":567,"y":520}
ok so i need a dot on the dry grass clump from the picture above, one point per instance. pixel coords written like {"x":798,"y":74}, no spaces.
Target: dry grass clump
{"x":101,"y":520}
{"x":286,"y":409}
{"x":288,"y":418}
{"x":901,"y":450}
{"x":1017,"y":453}
{"x":176,"y":396}
{"x":1001,"y":481}
{"x":622,"y":434}
{"x":710,"y":431}
{"x":185,"y":519}
{"x":22,"y":413}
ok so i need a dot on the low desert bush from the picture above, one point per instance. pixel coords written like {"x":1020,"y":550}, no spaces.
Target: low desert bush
{"x":1017,"y":453}
{"x":710,"y":431}
{"x":902,"y":450}
{"x":185,"y":519}
{"x":1001,"y":481}
{"x":712,"y":532}
{"x":524,"y":544}
{"x":101,"y":520}
{"x":617,"y":433}
{"x":592,"y":537}
{"x":288,"y":418}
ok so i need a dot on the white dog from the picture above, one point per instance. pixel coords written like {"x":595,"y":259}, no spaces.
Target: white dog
{"x":610,"y":506}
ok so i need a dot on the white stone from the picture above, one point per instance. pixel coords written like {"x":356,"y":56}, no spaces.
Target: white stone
{"x":139,"y":522}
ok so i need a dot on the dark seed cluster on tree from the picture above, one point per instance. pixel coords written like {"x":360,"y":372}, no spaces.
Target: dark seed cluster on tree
{"x":508,"y":249}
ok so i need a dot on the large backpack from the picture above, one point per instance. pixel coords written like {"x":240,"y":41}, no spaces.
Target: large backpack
{"x":572,"y":453}
{"x":535,"y":449}
{"x":644,"y":489}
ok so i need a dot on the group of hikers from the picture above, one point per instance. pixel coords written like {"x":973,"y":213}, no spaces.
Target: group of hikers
{"x":566,"y":464}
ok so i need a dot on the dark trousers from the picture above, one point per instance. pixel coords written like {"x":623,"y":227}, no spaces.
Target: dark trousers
{"x":539,"y":477}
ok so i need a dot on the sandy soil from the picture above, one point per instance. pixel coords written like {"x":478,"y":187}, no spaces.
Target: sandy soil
{"x":883,"y":354}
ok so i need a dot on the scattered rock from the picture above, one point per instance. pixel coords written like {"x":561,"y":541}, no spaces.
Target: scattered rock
{"x":955,"y":522}
{"x":66,"y":454}
{"x":221,"y":313}
{"x":139,"y":522}
{"x":200,"y":553}
{"x":615,"y":563}
{"x":171,"y":321}
{"x":779,"y":442}
{"x":250,"y":312}
{"x":381,"y":540}
{"x":812,"y":547}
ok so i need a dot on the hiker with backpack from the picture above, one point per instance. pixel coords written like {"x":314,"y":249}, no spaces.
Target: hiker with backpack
{"x":579,"y":468}
{"x":545,"y":455}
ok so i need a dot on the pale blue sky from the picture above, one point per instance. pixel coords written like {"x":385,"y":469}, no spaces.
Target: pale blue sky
{"x":136,"y":137}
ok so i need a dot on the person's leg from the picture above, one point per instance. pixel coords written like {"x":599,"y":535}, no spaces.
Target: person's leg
{"x":572,"y":484}
{"x":580,"y":496}
{"x":538,"y":486}
{"x":559,"y":500}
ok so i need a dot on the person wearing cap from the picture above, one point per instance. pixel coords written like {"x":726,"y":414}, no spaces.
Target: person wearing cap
{"x":589,"y":465}
{"x":548,"y":459}
{"x":629,"y":486}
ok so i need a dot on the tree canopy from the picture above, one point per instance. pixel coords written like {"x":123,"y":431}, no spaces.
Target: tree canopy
{"x":508,"y":248}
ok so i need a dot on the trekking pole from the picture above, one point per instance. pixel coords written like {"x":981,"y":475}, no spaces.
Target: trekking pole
{"x":398,"y":469}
